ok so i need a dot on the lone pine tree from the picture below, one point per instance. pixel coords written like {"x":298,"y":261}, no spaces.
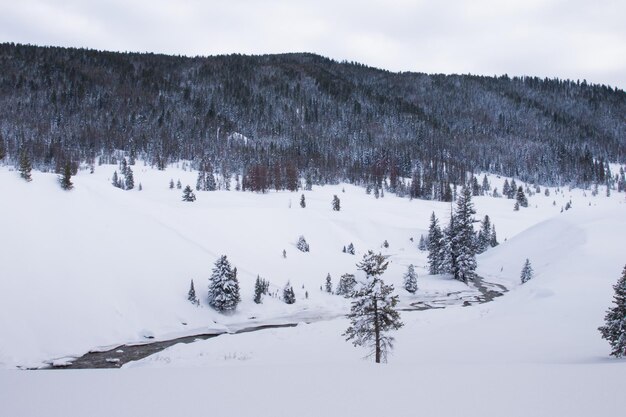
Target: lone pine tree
{"x":410,"y":280}
{"x":614,"y":330}
{"x":527,"y":272}
{"x":66,"y":177}
{"x":191,"y":295}
{"x":188,"y":194}
{"x":223,"y":286}
{"x":289,"y":296}
{"x":336,"y":203}
{"x":462,"y":245}
{"x":302,"y":244}
{"x":373,"y":313}
{"x":329,"y":285}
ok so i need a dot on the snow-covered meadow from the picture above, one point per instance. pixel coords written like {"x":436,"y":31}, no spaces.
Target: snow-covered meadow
{"x":98,"y":266}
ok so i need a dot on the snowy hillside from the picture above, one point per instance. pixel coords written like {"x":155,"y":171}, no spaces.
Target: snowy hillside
{"x":98,"y":266}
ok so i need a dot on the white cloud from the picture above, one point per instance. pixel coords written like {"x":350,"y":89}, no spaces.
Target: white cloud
{"x":554,"y":38}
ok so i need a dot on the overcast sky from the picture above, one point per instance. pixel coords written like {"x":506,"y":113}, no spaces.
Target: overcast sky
{"x":579,"y":39}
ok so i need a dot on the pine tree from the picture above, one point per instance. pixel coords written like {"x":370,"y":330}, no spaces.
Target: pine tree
{"x":494,"y":240}
{"x":130,"y":179}
{"x":223,"y":286}
{"x":289,"y":296}
{"x":486,"y":187}
{"x":329,"y":285}
{"x":178,"y":185}
{"x":25,"y":167}
{"x":475,"y":187}
{"x":512,"y":190}
{"x":302,"y":201}
{"x":410,"y":280}
{"x":171,"y":184}
{"x":506,"y":189}
{"x":484,"y":235}
{"x":139,"y":187}
{"x":66,"y":178}
{"x":527,"y":272}
{"x":614,"y":330}
{"x":463,"y":248}
{"x":258,"y":290}
{"x":346,"y":285}
{"x":188,"y":194}
{"x":302,"y":244}
{"x":435,"y":237}
{"x":386,"y":244}
{"x":520,"y":197}
{"x":516,"y":206}
{"x":115,"y":180}
{"x":200,"y":181}
{"x":336,"y":203}
{"x":191,"y":295}
{"x":350,"y":249}
{"x":423,"y":244}
{"x":3,"y":150}
{"x":373,"y":313}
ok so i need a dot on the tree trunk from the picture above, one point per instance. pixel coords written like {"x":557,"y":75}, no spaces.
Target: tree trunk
{"x":377,"y":330}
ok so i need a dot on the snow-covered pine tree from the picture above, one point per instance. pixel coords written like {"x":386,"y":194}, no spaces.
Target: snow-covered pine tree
{"x":614,"y":330}
{"x":289,"y":297}
{"x":346,"y":285}
{"x":115,"y":180}
{"x":516,"y":206}
{"x":302,"y":201}
{"x":302,"y":244}
{"x":179,"y":185}
{"x":506,"y":188}
{"x":373,"y":314}
{"x":25,"y":167}
{"x":350,"y":249}
{"x":200,"y":181}
{"x":422,"y":245}
{"x":486,"y":186}
{"x":520,"y":197}
{"x":410,"y":280}
{"x":223,"y":286}
{"x":188,"y":194}
{"x":493,"y":242}
{"x":462,"y":238}
{"x":336,"y":203}
{"x":329,"y":284}
{"x":386,"y":244}
{"x":258,"y":290}
{"x":191,"y":295}
{"x":130,"y":179}
{"x":434,"y":245}
{"x":513,"y":189}
{"x":527,"y":272}
{"x":483,"y":241}
{"x":475,"y":186}
{"x":66,"y":178}
{"x":171,"y":184}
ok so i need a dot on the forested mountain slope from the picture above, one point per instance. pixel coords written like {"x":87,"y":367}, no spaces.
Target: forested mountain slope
{"x":265,"y":116}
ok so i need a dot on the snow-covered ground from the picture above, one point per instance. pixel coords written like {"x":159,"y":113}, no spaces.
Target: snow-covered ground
{"x":98,"y":266}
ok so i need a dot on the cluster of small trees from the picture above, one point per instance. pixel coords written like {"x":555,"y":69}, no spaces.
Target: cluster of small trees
{"x":126,"y":179}
{"x":453,"y":250}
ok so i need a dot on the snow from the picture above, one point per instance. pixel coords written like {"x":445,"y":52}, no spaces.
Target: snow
{"x":99,"y":266}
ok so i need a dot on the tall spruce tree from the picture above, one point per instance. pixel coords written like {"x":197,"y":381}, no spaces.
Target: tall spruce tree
{"x":258,"y":290}
{"x":302,"y":201}
{"x":223,"y":286}
{"x":463,"y":247}
{"x":373,"y":314}
{"x":493,"y":242}
{"x":483,"y":241}
{"x":520,"y":197}
{"x":434,"y":245}
{"x":410,"y":280}
{"x":130,"y":179}
{"x":614,"y":330}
